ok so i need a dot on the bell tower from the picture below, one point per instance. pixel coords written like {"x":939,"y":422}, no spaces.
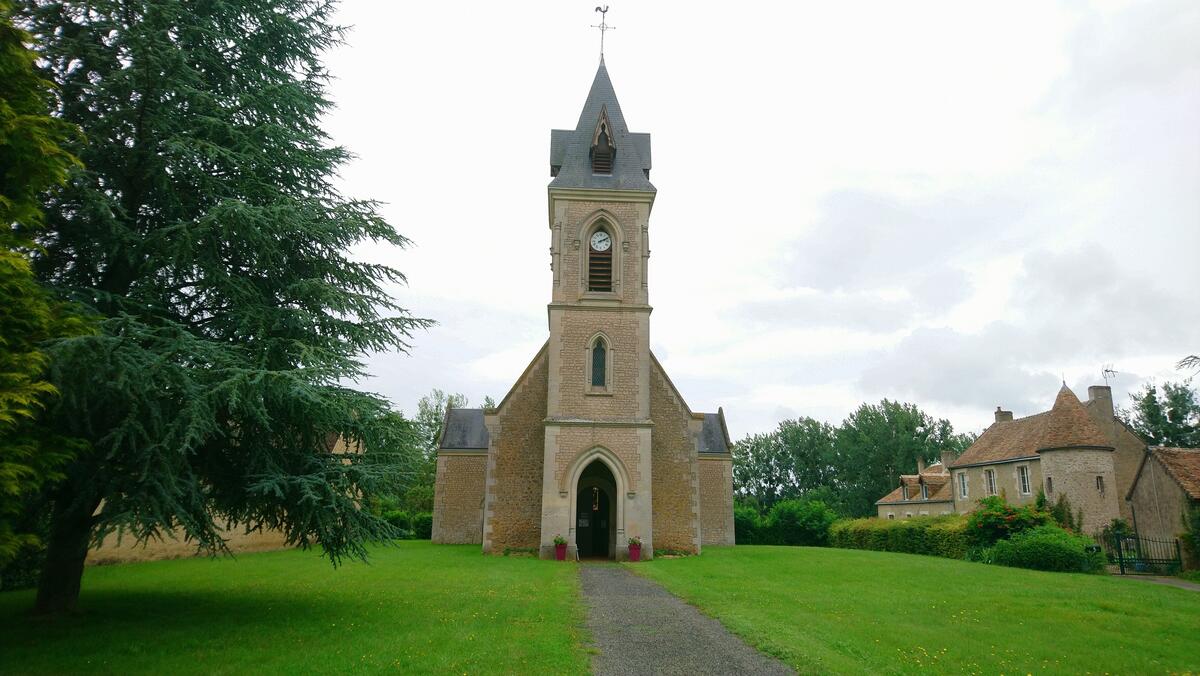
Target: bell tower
{"x":598,"y":398}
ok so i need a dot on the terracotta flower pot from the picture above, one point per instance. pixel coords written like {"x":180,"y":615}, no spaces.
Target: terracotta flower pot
{"x":635,"y":552}
{"x":560,"y":552}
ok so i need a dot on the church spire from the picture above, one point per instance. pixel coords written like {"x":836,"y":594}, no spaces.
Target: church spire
{"x":624,"y":156}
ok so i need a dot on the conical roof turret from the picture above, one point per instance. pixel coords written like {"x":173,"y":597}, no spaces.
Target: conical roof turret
{"x":1070,"y":426}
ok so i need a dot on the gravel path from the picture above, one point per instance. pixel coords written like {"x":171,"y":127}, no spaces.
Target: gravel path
{"x":639,"y":628}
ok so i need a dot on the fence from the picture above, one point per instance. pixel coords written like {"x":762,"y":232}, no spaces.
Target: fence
{"x":1141,"y":555}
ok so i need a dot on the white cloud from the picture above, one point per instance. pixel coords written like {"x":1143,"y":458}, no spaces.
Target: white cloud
{"x":955,"y":203}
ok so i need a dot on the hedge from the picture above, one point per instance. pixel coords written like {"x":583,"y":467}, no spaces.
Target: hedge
{"x":1049,"y":548}
{"x":790,"y":522}
{"x":944,"y":536}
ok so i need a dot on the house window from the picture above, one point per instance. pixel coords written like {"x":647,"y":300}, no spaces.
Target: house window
{"x":962,"y":485}
{"x":903,"y":492}
{"x":891,"y":515}
{"x":1049,"y":485}
{"x":989,"y":481}
{"x":1023,"y":480}
{"x":600,"y":260}
{"x":1100,"y":483}
{"x":908,"y":515}
{"x":924,"y":492}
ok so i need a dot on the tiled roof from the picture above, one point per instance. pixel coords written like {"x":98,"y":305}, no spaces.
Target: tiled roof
{"x":1005,"y":440}
{"x":939,"y":493}
{"x":1070,"y":426}
{"x":1066,"y":425}
{"x":570,"y":149}
{"x":1184,"y":465}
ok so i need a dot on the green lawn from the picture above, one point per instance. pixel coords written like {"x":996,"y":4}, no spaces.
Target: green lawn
{"x":414,"y":608}
{"x":845,"y":611}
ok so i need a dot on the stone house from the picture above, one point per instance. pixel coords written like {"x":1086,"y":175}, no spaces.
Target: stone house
{"x":593,"y":442}
{"x":1077,"y":449}
{"x":926,"y":493}
{"x":1165,"y":488}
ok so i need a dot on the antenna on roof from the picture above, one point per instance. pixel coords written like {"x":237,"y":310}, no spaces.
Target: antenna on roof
{"x":1107,"y":373}
{"x":603,"y":26}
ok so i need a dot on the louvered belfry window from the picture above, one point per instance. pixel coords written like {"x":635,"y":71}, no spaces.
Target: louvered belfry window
{"x":600,"y":269}
{"x":602,"y":154}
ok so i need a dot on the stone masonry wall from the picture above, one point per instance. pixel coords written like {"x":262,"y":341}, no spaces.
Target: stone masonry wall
{"x":623,"y":331}
{"x":674,"y":480}
{"x":716,"y":501}
{"x":514,"y":483}
{"x":628,"y":250}
{"x":1159,"y":503}
{"x":1007,"y":484}
{"x":1074,"y":472}
{"x":458,"y":499}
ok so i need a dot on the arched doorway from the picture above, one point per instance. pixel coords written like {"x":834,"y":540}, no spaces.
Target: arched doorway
{"x":595,"y":512}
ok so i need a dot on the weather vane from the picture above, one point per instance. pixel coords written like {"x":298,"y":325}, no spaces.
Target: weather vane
{"x":603,"y":26}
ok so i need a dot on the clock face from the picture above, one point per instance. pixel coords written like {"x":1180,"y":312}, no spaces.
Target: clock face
{"x":601,"y":241}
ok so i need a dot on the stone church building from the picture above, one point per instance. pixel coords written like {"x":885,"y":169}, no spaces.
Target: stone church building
{"x":593,"y":442}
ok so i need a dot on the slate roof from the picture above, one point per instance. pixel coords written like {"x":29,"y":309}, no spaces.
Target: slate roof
{"x":1066,"y":425}
{"x":570,"y":149}
{"x":713,"y":438}
{"x":464,"y":429}
{"x":1183,"y":464}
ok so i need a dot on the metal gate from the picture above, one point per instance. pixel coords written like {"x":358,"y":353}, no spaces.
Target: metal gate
{"x":1139,"y":555}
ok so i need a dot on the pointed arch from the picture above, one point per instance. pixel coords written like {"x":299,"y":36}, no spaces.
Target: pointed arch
{"x":600,"y":271}
{"x":598,"y":358}
{"x":604,"y":151}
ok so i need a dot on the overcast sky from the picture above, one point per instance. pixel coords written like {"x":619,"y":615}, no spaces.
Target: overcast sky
{"x":954,"y":204}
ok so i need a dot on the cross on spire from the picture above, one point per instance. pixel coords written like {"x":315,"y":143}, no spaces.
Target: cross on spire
{"x":603,"y":26}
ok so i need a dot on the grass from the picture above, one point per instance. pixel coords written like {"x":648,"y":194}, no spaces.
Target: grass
{"x":415,"y":608}
{"x":847,"y":611}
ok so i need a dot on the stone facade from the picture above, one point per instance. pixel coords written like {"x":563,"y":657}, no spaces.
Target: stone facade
{"x":1166,"y":487}
{"x":1087,"y":478}
{"x":1007,"y":480}
{"x":593,"y":443}
{"x":716,"y":501}
{"x":458,"y":502}
{"x":513,"y":496}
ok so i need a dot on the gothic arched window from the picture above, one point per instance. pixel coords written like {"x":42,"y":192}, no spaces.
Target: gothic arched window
{"x":599,"y":364}
{"x":600,"y":260}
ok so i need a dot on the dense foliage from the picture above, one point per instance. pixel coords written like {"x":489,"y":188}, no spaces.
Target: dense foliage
{"x":944,"y":536}
{"x":1049,"y":547}
{"x":1167,"y":418}
{"x":207,"y":234}
{"x":32,"y":160}
{"x":791,"y":522}
{"x":850,"y":466}
{"x":994,"y":520}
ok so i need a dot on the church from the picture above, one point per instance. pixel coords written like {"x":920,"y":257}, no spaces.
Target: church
{"x":593,"y":443}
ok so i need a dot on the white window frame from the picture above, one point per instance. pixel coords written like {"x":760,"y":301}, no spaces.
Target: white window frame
{"x":963,"y":486}
{"x":924,"y":492}
{"x":989,"y":481}
{"x":1024,"y":485}
{"x":891,"y":515}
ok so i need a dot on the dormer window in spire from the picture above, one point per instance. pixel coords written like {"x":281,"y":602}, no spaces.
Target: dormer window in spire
{"x":603,"y":152}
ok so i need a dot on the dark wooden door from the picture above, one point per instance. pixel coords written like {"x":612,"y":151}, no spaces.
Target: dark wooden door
{"x":592,"y":522}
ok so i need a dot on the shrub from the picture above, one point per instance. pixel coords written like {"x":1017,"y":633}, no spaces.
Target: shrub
{"x":793,"y":522}
{"x":746,"y":525}
{"x":1190,"y":539}
{"x":422,"y":525}
{"x":996,"y":520}
{"x":1049,"y":547}
{"x":933,"y":535}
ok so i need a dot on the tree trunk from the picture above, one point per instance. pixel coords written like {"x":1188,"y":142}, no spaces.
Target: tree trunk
{"x":70,"y":534}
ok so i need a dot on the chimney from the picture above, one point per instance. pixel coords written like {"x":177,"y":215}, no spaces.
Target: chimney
{"x":1002,"y":415}
{"x":1101,"y":397}
{"x":947,"y":458}
{"x":920,"y":465}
